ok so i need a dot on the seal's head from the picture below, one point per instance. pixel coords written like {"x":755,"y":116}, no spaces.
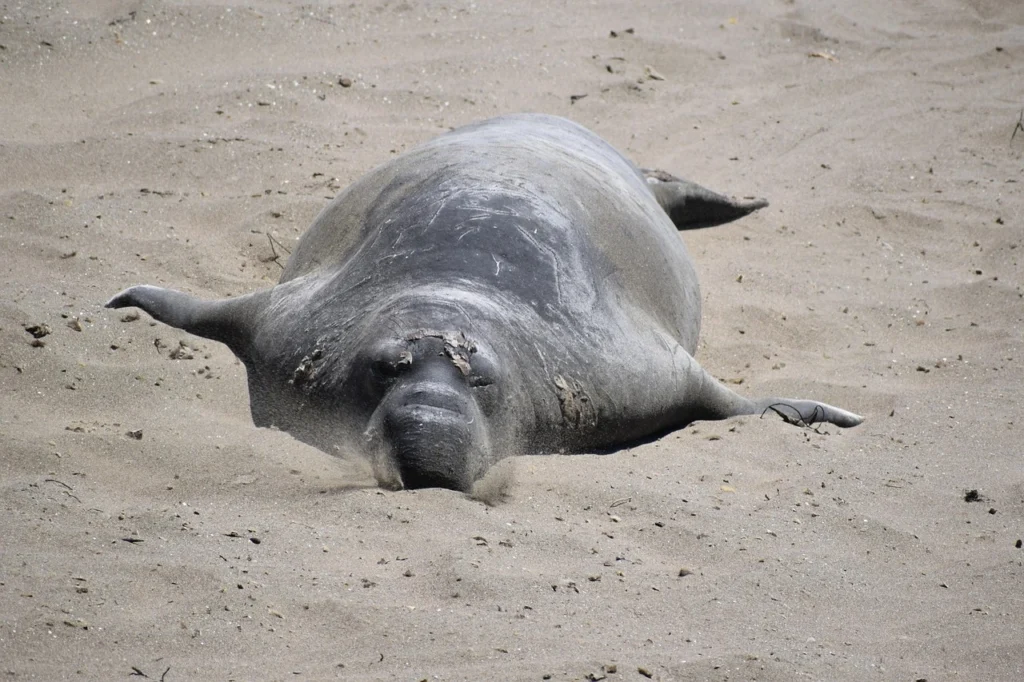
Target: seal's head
{"x":435,"y":392}
{"x":422,"y":383}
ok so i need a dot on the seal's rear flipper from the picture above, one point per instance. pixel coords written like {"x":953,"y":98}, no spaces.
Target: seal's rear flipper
{"x":714,"y":401}
{"x":230,"y":321}
{"x":691,"y":206}
{"x":807,"y":412}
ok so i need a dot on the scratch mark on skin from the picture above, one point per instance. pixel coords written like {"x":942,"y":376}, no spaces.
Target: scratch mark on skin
{"x":674,"y":350}
{"x":497,"y":265}
{"x":440,"y":207}
{"x":398,"y":240}
{"x":550,"y":254}
{"x":468,"y":232}
{"x":465,"y":314}
{"x":485,"y":212}
{"x":543,"y":362}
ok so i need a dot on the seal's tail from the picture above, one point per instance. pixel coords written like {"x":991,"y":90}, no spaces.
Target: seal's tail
{"x":691,"y":206}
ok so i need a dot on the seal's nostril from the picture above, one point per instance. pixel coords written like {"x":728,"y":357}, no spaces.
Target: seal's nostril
{"x":436,"y":399}
{"x":431,"y":391}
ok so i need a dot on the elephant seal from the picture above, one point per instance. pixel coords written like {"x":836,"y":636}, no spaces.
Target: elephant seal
{"x":515,"y":286}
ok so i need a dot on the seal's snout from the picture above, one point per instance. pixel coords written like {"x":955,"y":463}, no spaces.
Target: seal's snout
{"x":430,"y":443}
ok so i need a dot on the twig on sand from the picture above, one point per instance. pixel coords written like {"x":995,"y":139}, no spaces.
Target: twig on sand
{"x":138,"y":673}
{"x":68,"y":489}
{"x":817,"y":416}
{"x":1018,"y":126}
{"x":276,"y":257}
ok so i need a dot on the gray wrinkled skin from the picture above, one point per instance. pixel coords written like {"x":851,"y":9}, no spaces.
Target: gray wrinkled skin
{"x":515,"y":286}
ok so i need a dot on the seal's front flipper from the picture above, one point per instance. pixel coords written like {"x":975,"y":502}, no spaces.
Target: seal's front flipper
{"x":231,"y":321}
{"x":713,"y":400}
{"x":691,"y":206}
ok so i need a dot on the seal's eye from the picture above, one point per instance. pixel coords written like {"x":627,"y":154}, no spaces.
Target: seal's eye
{"x":390,"y":358}
{"x":484,"y":372}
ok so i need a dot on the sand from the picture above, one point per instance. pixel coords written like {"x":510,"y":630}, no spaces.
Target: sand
{"x":150,"y":531}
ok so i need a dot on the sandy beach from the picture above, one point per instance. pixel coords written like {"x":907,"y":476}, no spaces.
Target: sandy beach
{"x":150,"y":531}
